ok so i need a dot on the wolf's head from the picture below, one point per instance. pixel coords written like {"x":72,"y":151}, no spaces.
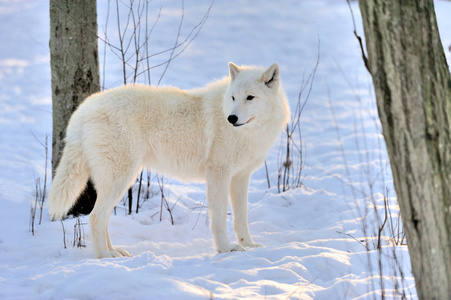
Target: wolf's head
{"x":255,"y":98}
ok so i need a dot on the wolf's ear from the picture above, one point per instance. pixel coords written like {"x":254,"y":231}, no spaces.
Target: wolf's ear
{"x":234,"y":70}
{"x":271,"y":76}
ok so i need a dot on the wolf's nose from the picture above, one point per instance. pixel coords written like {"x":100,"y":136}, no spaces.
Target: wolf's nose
{"x":232,"y":119}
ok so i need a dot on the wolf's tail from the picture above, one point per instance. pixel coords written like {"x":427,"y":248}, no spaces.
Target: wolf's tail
{"x":69,"y":181}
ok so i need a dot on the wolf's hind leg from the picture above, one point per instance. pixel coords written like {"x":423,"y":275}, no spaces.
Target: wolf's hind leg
{"x":123,"y":252}
{"x":98,"y":221}
{"x":109,"y":193}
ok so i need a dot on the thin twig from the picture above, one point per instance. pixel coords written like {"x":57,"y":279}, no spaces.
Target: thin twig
{"x":359,"y":38}
{"x":347,"y":234}
{"x":64,"y":234}
{"x":176,"y":42}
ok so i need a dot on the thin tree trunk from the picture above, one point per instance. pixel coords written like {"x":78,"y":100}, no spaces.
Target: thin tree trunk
{"x":413,"y":88}
{"x":75,"y":71}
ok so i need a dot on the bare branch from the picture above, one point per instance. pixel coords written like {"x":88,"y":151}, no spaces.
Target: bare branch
{"x":359,"y":38}
{"x":176,"y":42}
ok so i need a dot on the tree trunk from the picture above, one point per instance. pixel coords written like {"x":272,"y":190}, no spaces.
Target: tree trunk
{"x":413,"y":88}
{"x":75,"y":71}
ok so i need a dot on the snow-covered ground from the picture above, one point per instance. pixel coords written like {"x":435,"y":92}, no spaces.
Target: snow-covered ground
{"x":315,"y":236}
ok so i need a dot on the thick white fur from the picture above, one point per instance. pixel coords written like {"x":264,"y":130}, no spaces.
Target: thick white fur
{"x":184,"y":134}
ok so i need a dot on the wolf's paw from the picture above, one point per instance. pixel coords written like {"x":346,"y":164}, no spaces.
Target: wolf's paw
{"x":249,"y":243}
{"x":116,"y":252}
{"x":123,"y":252}
{"x":233,"y":247}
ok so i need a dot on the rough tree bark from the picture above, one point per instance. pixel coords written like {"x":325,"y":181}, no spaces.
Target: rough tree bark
{"x":75,"y":72}
{"x":413,"y":88}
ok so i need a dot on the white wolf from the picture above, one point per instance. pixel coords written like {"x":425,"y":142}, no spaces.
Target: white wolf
{"x":220,"y":133}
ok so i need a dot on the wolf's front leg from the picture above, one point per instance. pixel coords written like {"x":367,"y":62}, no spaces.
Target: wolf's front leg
{"x":238,"y":199}
{"x":218,"y":182}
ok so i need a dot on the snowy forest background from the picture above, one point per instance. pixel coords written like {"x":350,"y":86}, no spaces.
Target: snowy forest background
{"x":323,"y":240}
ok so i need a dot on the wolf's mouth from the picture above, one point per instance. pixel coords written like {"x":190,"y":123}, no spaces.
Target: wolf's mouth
{"x":238,"y":125}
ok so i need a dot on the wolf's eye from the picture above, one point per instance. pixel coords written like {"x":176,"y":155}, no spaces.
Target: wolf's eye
{"x":250,"y":97}
{"x":233,"y":98}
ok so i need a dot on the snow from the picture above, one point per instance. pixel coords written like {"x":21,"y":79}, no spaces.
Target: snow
{"x":315,"y":236}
